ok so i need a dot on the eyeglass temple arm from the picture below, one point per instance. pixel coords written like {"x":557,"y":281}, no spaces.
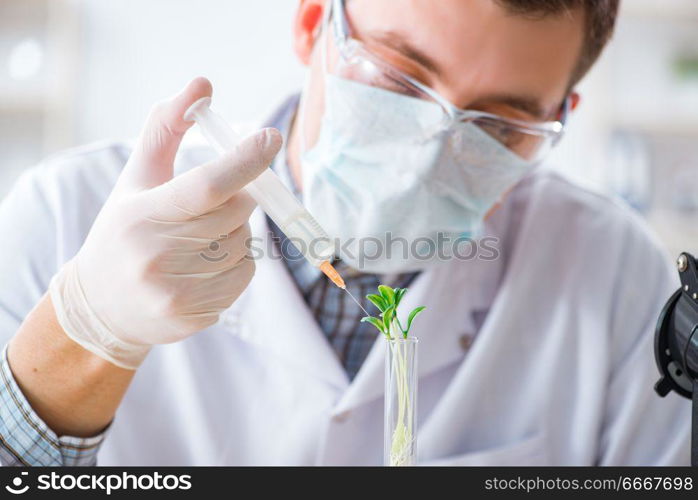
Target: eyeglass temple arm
{"x":565,"y":110}
{"x":341,"y":24}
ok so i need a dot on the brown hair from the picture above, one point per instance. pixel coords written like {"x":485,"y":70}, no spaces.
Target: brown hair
{"x":600,"y":19}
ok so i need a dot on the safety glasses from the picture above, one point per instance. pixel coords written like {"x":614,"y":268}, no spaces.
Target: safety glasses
{"x":530,"y":140}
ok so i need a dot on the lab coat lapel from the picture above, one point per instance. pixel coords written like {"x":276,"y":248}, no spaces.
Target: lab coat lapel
{"x":282,"y":323}
{"x":279,"y":319}
{"x":450,"y":295}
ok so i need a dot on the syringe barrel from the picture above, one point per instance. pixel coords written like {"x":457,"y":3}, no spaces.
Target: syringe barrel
{"x":269,"y":191}
{"x":290,"y":215}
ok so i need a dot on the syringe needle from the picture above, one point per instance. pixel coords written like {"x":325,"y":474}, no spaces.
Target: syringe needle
{"x":333,"y":275}
{"x":357,"y":302}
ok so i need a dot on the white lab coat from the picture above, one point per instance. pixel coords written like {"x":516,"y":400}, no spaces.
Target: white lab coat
{"x":559,"y":369}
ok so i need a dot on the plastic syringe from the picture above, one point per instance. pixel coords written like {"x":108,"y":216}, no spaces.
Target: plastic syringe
{"x":271,"y":195}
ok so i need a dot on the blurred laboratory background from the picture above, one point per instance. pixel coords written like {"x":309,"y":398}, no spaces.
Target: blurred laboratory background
{"x":78,"y":71}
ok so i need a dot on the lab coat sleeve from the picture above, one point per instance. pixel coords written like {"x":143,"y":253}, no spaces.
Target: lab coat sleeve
{"x":639,"y":427}
{"x":28,"y":232}
{"x":30,"y":256}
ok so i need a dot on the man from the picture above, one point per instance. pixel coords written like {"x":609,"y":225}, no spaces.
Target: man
{"x":542,"y":355}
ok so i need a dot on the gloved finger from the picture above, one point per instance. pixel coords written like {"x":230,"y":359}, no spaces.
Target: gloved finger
{"x":234,"y":213}
{"x":222,"y":290}
{"x":208,"y":186}
{"x":206,"y":299}
{"x":208,"y":257}
{"x":152,"y":159}
{"x":210,"y":226}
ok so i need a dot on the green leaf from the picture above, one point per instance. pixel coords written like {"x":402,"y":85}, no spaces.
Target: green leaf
{"x":388,"y":317}
{"x":377,"y":301}
{"x":387,"y":293}
{"x":374,"y":321}
{"x":399,"y":292}
{"x":413,"y":315}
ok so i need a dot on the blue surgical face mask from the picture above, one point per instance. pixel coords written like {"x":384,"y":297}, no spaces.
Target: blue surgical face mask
{"x":380,"y":171}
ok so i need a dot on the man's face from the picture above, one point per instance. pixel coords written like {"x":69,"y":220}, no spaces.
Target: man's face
{"x":475,"y":53}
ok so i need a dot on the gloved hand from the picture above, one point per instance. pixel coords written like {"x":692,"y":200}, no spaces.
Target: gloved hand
{"x":142,"y":276}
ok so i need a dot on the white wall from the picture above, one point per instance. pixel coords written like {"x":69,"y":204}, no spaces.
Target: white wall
{"x":136,"y":52}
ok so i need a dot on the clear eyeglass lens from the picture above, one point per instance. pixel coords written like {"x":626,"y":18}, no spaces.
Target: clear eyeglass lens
{"x":527,"y":145}
{"x":365,"y":71}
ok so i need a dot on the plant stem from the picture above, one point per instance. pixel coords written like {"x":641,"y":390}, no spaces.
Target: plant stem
{"x":402,"y":434}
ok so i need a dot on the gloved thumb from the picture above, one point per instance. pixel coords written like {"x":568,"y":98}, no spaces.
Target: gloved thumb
{"x":206,"y":187}
{"x":152,"y":160}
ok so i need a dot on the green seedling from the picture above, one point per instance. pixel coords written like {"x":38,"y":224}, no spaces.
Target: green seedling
{"x":388,"y":323}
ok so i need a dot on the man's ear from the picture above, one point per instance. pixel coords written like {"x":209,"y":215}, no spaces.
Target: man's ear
{"x":574,"y":100}
{"x":306,"y":27}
